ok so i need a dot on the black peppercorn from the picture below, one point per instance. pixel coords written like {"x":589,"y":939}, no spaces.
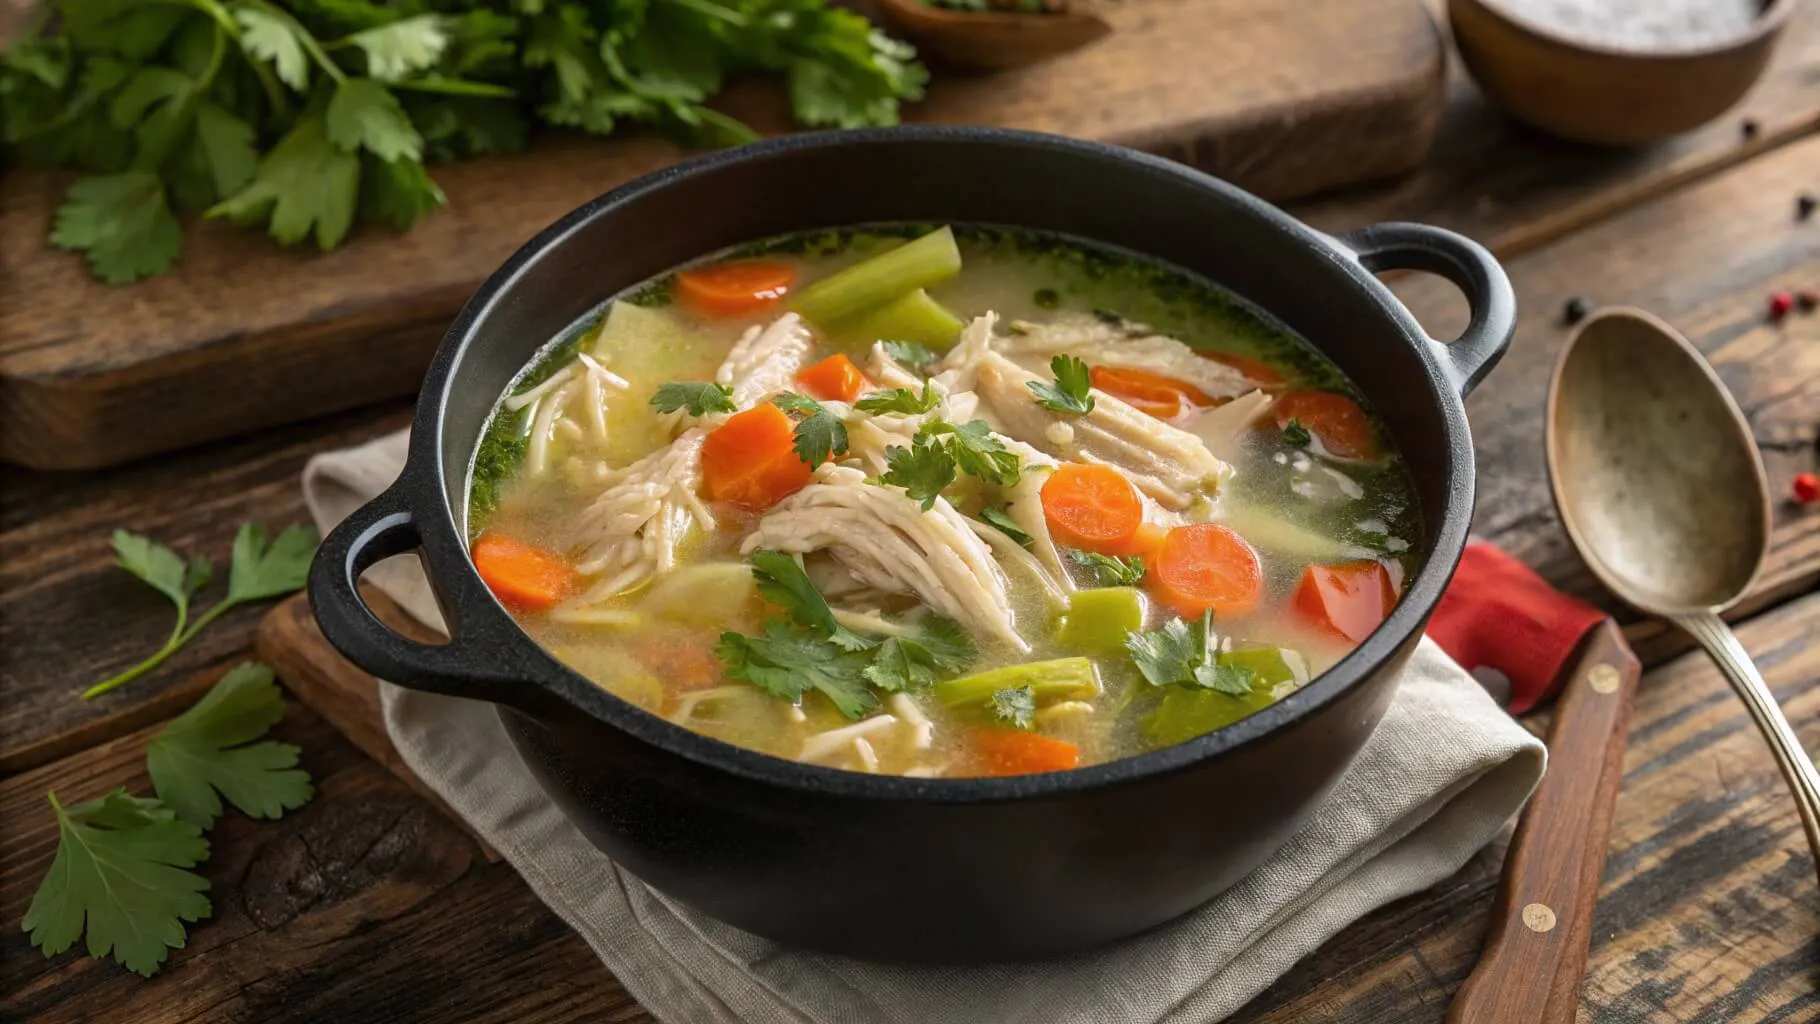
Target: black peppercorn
{"x":1804,"y":205}
{"x":1575,"y":310}
{"x":1749,"y":128}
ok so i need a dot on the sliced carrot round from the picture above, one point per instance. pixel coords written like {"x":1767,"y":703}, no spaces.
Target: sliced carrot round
{"x":751,"y":459}
{"x":522,"y":576}
{"x":834,"y":379}
{"x":1006,"y":752}
{"x":1256,"y":371}
{"x":1205,"y":566}
{"x":1157,"y":394}
{"x":731,"y":289}
{"x":1092,"y":507}
{"x":1348,"y":600}
{"x":1338,"y":421}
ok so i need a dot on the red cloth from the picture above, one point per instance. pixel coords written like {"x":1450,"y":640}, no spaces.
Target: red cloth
{"x":1498,"y":613}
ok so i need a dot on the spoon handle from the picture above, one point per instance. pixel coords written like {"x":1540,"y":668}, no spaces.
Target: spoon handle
{"x":1797,"y":767}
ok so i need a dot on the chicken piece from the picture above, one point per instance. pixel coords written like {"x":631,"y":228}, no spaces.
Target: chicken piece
{"x":765,"y":360}
{"x":886,"y":540}
{"x":630,"y":532}
{"x":1118,"y":343}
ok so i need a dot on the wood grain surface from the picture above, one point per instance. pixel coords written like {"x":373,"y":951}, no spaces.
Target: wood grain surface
{"x":1284,"y":98}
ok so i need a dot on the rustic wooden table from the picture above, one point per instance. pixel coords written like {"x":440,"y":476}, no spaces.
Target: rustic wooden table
{"x":369,"y":905}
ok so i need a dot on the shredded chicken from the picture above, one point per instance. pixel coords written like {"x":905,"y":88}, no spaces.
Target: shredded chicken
{"x":1119,"y":343}
{"x":640,"y":517}
{"x":765,"y":360}
{"x":888,"y":541}
{"x":822,"y":744}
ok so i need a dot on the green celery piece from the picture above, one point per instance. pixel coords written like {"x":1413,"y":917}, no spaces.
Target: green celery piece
{"x":913,"y":317}
{"x":1184,"y":714}
{"x":1061,"y":679}
{"x":1270,"y":664}
{"x":928,"y":260}
{"x":1097,"y":621}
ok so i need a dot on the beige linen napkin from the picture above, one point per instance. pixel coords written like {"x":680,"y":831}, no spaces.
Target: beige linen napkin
{"x":1438,"y":779}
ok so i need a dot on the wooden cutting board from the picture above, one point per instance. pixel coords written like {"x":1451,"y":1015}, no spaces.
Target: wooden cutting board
{"x":1284,"y":99}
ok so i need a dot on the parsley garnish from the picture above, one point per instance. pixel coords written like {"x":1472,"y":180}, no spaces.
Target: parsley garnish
{"x":208,"y":750}
{"x":977,"y":452}
{"x":1295,"y":434}
{"x":910,"y":353}
{"x":700,"y":397}
{"x":1109,"y":570}
{"x":1069,"y":394}
{"x":1183,"y":654}
{"x":923,"y":470}
{"x":787,"y":663}
{"x":928,"y":466}
{"x":819,"y":434}
{"x":995,"y":515}
{"x":784,"y":583}
{"x":914,"y":662}
{"x":259,"y":571}
{"x":901,"y":400}
{"x":1015,"y":706}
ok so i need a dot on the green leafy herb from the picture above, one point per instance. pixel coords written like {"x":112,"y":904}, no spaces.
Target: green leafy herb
{"x":259,"y":570}
{"x":923,"y":470}
{"x":209,"y":750}
{"x":1233,"y":680}
{"x":1183,"y":654}
{"x":977,"y":451}
{"x":402,"y":48}
{"x":700,"y":397}
{"x":1070,"y":393}
{"x":820,"y":434}
{"x":121,"y":869}
{"x":784,"y":583}
{"x":787,"y":663}
{"x":1296,"y":435}
{"x":122,"y":223}
{"x":901,"y":400}
{"x":1109,"y":570}
{"x":910,"y":353}
{"x":995,"y":515}
{"x":1015,"y":706}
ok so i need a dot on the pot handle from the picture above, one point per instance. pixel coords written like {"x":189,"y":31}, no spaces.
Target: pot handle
{"x":377,"y":530}
{"x":1406,"y":246}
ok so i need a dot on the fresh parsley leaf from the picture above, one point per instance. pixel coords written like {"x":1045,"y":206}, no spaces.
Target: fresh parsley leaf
{"x":1070,"y":394}
{"x":122,"y":870}
{"x":901,"y":664}
{"x":948,"y":644}
{"x":904,"y":401}
{"x":161,"y":567}
{"x":1109,"y":570}
{"x":1233,"y":680}
{"x":787,"y":663}
{"x":820,"y":435}
{"x":227,"y":146}
{"x":122,"y":223}
{"x":304,"y":185}
{"x":910,"y":353}
{"x":783,"y":582}
{"x":262,"y":570}
{"x":700,"y":397}
{"x":923,"y":470}
{"x":996,"y":516}
{"x":365,"y":115}
{"x":1296,"y":435}
{"x":1015,"y":706}
{"x":1170,"y":655}
{"x":977,"y":451}
{"x":790,"y":401}
{"x":402,"y":48}
{"x":209,"y":750}
{"x":396,"y":192}
{"x":273,"y":38}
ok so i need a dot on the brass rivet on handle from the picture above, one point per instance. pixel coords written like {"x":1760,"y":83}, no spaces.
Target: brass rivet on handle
{"x":1538,"y":918}
{"x":1603,"y":679}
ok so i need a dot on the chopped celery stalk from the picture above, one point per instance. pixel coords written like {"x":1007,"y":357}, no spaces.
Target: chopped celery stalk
{"x":1184,"y":714}
{"x":1097,"y":621}
{"x":928,"y":260}
{"x":1061,"y":679}
{"x":912,"y":317}
{"x":1272,"y":665}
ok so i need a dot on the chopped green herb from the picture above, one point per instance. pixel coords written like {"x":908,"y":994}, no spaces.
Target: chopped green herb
{"x":1015,"y":706}
{"x":699,"y":397}
{"x":1109,"y":570}
{"x":995,"y":515}
{"x":910,"y":353}
{"x":820,"y":434}
{"x":1296,"y":435}
{"x":786,"y":662}
{"x":209,"y":750}
{"x":914,"y":662}
{"x":923,"y":470}
{"x":784,"y":583}
{"x":1184,"y":654}
{"x":904,"y":401}
{"x":1070,"y":394}
{"x":977,"y":451}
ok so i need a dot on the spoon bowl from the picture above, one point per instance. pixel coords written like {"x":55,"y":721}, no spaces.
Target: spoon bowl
{"x":1661,"y":489}
{"x":991,"y":40}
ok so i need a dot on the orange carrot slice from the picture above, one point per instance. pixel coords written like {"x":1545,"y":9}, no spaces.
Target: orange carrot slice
{"x":1206,"y":566}
{"x":1348,"y":600}
{"x":1337,"y":420}
{"x":1092,"y":507}
{"x":1256,"y":371}
{"x":834,"y":379}
{"x":522,"y":576}
{"x":1006,"y":752}
{"x":751,"y":461}
{"x":1161,"y":396}
{"x":732,"y":289}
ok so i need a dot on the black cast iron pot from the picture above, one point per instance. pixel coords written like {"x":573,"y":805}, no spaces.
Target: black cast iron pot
{"x":943,"y":870}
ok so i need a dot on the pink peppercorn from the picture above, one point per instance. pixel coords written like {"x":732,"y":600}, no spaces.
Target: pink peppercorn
{"x":1807,"y":488}
{"x":1779,"y":305}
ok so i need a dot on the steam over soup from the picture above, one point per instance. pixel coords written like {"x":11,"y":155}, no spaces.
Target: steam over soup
{"x":945,"y":502}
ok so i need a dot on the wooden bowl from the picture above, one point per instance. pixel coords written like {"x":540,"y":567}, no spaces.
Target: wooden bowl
{"x":989,"y":40}
{"x":1602,"y":94}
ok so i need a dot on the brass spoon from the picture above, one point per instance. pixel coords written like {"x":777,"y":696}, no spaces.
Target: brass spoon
{"x":1662,"y":491}
{"x":991,"y":40}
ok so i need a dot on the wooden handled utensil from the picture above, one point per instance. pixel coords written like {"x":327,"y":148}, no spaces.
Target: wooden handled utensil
{"x":1535,"y":949}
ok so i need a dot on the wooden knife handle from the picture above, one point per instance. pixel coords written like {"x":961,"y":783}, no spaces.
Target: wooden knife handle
{"x":1535,"y":949}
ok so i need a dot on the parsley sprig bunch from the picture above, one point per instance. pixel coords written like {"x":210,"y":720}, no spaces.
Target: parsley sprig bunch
{"x":306,"y":116}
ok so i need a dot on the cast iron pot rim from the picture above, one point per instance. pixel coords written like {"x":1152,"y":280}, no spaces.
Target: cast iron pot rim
{"x":425,"y":470}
